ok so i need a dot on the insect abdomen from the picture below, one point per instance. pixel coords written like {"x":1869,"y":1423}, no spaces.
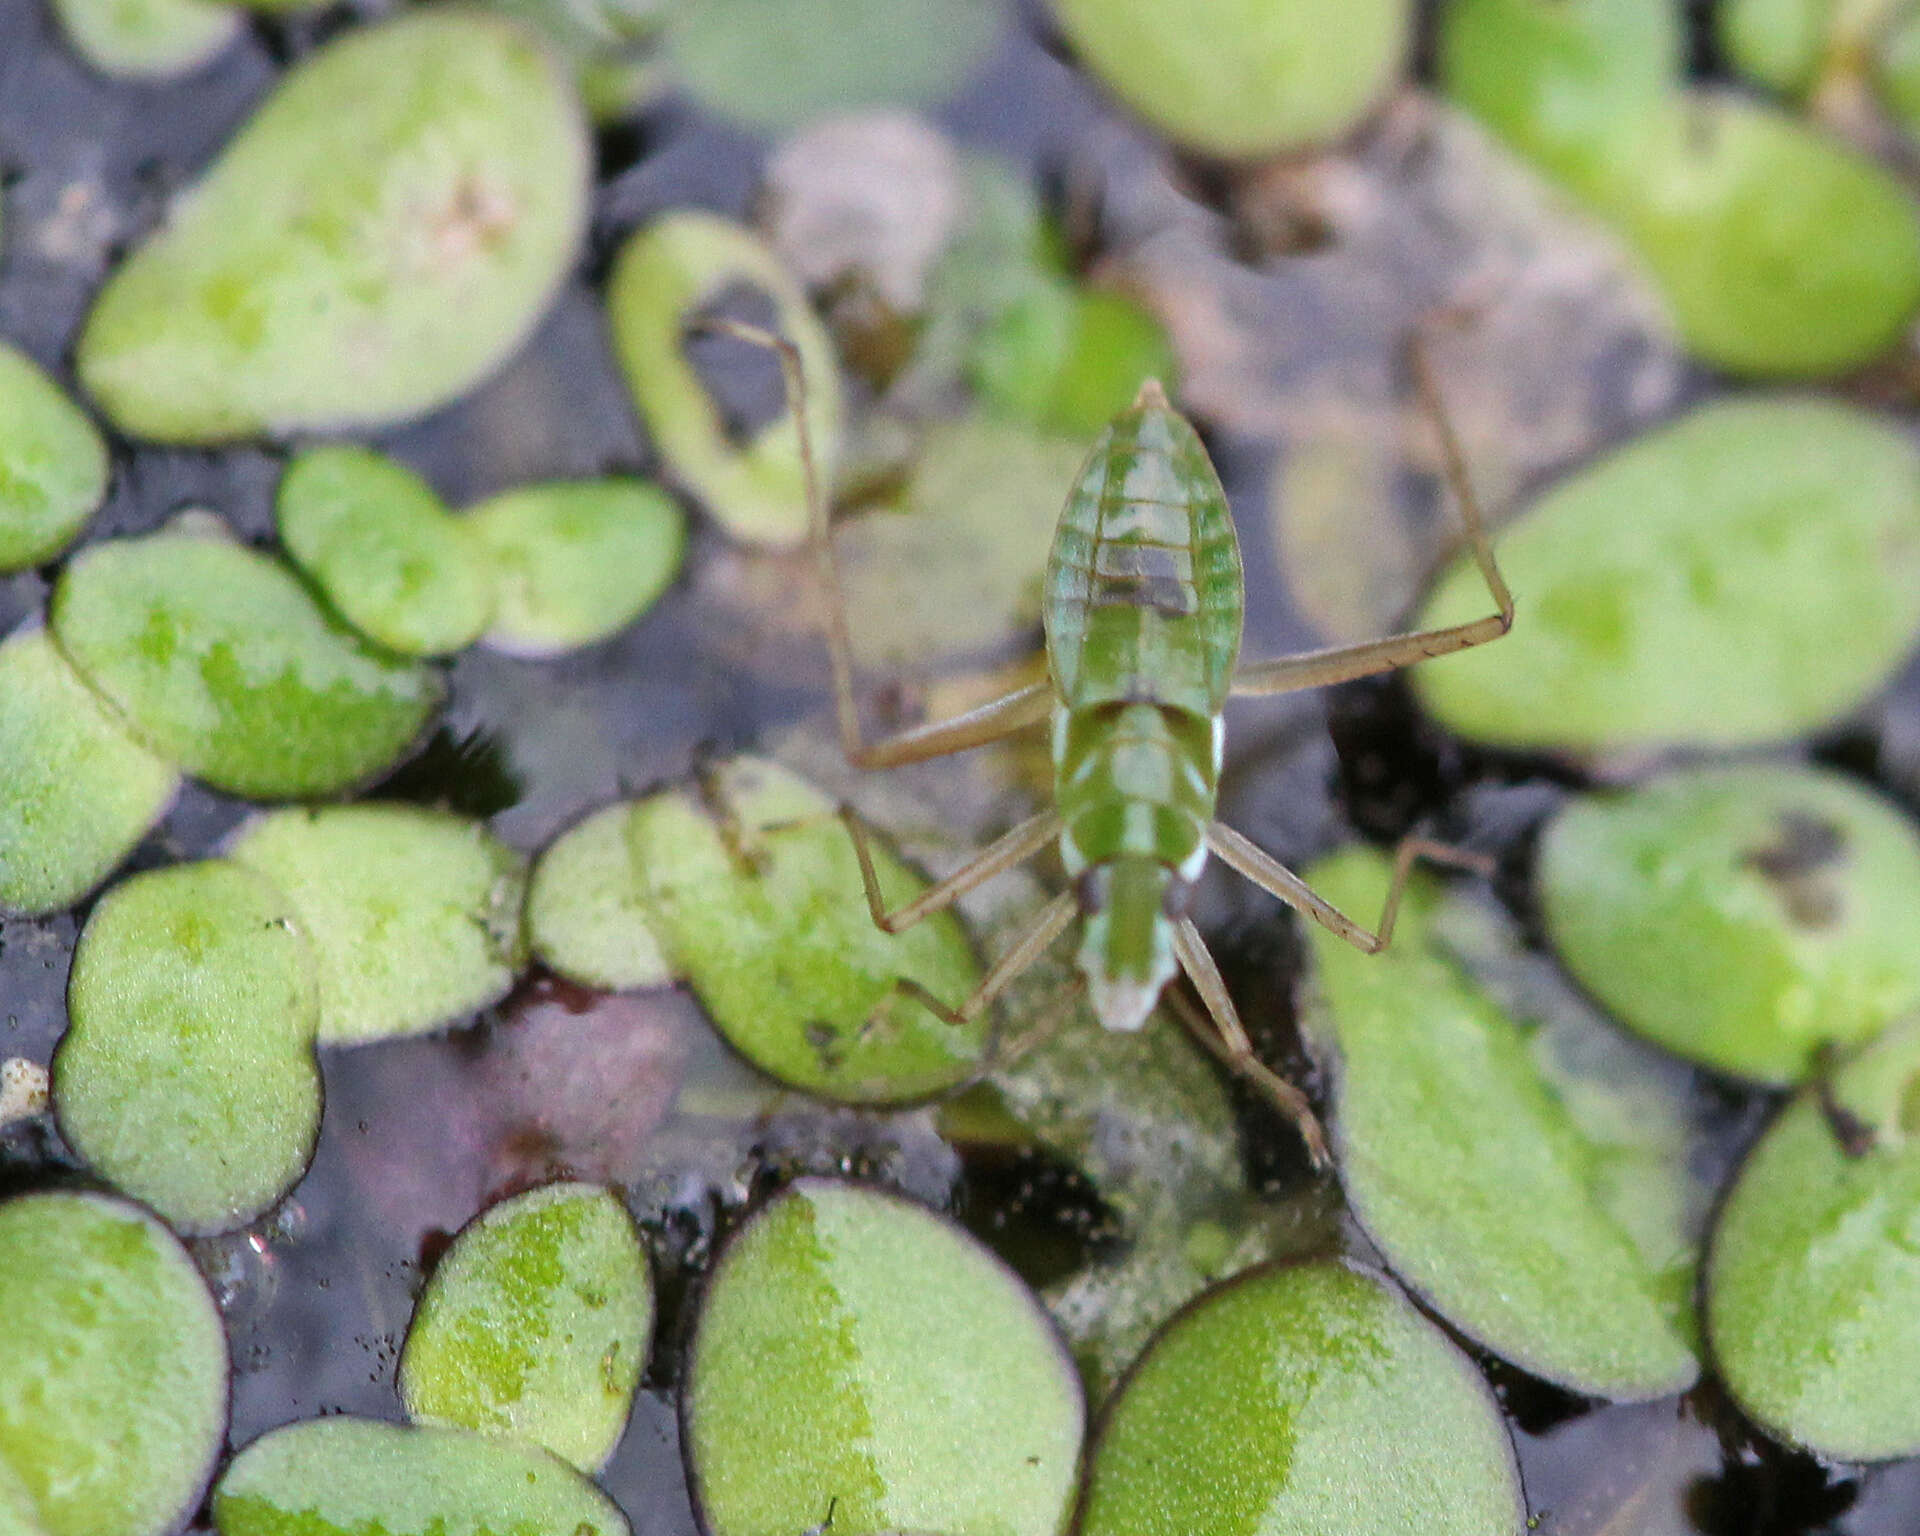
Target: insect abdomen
{"x":1134,"y":779}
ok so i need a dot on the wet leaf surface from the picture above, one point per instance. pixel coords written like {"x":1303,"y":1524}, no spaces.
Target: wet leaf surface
{"x":76,"y":791}
{"x":1773,"y":542}
{"x":53,"y":465}
{"x":113,"y":1384}
{"x":285,"y":294}
{"x":222,"y":662}
{"x":1745,"y":918}
{"x":535,"y":1324}
{"x":148,"y":39}
{"x":587,"y":906}
{"x":354,"y":1477}
{"x":1305,"y":1397}
{"x":1518,"y":1212}
{"x":186,"y":1077}
{"x":854,"y":1347}
{"x":414,"y":915}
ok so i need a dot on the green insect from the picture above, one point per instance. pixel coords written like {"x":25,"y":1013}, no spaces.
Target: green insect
{"x":1143,"y":614}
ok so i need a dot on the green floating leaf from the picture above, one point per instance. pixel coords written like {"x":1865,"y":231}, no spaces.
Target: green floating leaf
{"x":384,"y":551}
{"x":53,"y":465}
{"x":1244,"y":78}
{"x":338,"y":268}
{"x":113,"y":1382}
{"x":1742,"y":917}
{"x":1780,"y":250}
{"x":1813,"y":1284}
{"x":573,"y":563}
{"x":1306,"y":1397}
{"x":1068,"y":359}
{"x":763,"y":911}
{"x":414,"y":915}
{"x":776,"y":64}
{"x":187,"y":1076}
{"x":1476,"y":1178}
{"x":857,"y":1349}
{"x":535,"y":1324}
{"x":1560,"y":80}
{"x":970,"y":540}
{"x":147,"y":39}
{"x":663,"y":277}
{"x":221,"y":660}
{"x":76,"y":791}
{"x":587,"y":906}
{"x":1780,"y":43}
{"x":1773,"y":543}
{"x":358,"y":1477}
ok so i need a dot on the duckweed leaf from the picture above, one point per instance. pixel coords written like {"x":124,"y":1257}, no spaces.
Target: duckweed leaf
{"x":575,"y":563}
{"x":414,"y":915}
{"x":1474,"y":1176}
{"x":53,"y":465}
{"x":663,"y":276}
{"x":358,"y":1477}
{"x":336,"y":269}
{"x":970,"y":540}
{"x":186,"y":1076}
{"x":587,"y":905}
{"x":1305,"y":1397}
{"x":854,"y":1347}
{"x":18,"y":1516}
{"x":76,"y":791}
{"x":1559,"y":79}
{"x":1780,"y":250}
{"x":1774,"y":543}
{"x":221,"y":660}
{"x":1813,"y":1283}
{"x":1779,"y":43}
{"x":1743,"y":917}
{"x":535,"y":1324}
{"x":755,"y":894}
{"x":778,"y":63}
{"x":147,"y":39}
{"x":1244,"y":78}
{"x":384,"y":551}
{"x":1068,"y":359}
{"x":113,"y":1384}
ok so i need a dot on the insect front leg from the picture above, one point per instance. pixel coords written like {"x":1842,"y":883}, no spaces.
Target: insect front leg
{"x":1342,"y":664}
{"x":977,"y":727}
{"x":1267,"y":872}
{"x":1221,"y":1032}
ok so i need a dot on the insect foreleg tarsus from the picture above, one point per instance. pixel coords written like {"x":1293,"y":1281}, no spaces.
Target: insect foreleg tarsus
{"x":1341,"y":664}
{"x":977,"y":727}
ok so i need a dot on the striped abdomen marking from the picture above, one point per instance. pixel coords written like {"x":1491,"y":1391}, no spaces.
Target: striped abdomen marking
{"x":1136,"y":779}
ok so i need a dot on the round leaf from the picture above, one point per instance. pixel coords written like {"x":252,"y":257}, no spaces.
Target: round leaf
{"x":76,"y":791}
{"x":575,"y":563}
{"x":337,"y":268}
{"x":1771,"y":542}
{"x":383,"y":550}
{"x":345,"y":1476}
{"x":535,"y":1324}
{"x":186,"y":1076}
{"x":1474,"y":1176}
{"x":587,"y":906}
{"x":1813,"y":1284}
{"x":1743,"y":917}
{"x":415,"y":915}
{"x":53,"y":465}
{"x":113,"y":1382}
{"x":855,"y":1348}
{"x":147,"y":39}
{"x":221,"y":660}
{"x":1306,"y":1397}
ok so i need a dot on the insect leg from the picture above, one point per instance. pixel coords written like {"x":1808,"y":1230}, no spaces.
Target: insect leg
{"x":1267,"y":872}
{"x":1340,"y":664}
{"x":1002,"y":717}
{"x":1046,"y":925}
{"x":1011,"y":848}
{"x":1221,"y":1031}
